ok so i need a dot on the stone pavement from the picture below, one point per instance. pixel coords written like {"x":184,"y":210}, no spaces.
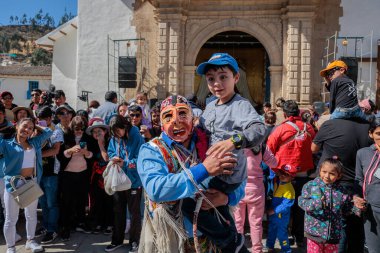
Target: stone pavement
{"x":85,"y":243}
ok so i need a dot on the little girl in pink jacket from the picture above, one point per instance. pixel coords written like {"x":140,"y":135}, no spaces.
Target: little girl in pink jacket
{"x":254,"y":200}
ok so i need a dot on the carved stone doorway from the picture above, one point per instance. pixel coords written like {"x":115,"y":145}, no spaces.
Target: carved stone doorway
{"x":254,"y":83}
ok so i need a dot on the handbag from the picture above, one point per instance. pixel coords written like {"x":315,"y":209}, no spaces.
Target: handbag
{"x":26,"y":193}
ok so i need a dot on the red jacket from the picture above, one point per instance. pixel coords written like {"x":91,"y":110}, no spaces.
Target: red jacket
{"x":296,"y":154}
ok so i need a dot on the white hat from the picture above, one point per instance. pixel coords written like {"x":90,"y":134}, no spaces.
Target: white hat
{"x":94,"y":123}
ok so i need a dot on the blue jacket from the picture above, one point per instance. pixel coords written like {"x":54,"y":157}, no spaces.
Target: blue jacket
{"x":283,"y":199}
{"x":14,"y":155}
{"x":162,"y":186}
{"x":130,"y":147}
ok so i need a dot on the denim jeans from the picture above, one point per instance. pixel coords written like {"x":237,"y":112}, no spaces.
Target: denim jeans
{"x":348,"y":113}
{"x":49,"y":203}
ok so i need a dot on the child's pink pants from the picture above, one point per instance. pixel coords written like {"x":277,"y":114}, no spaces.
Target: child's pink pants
{"x":318,"y":247}
{"x":254,"y":203}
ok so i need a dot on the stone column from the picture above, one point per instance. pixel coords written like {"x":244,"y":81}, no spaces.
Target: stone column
{"x":173,"y":54}
{"x":292,"y":61}
{"x":163,"y":78}
{"x":299,"y":35}
{"x":305,"y":44}
{"x":188,"y":80}
{"x":170,"y":53}
{"x":275,"y":83}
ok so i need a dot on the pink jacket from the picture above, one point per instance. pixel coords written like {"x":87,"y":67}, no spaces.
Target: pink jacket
{"x":254,"y":170}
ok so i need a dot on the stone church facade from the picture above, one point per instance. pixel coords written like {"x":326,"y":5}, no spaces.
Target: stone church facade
{"x":292,"y":33}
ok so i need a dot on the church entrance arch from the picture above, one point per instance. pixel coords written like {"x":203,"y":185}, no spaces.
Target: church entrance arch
{"x":253,"y":60}
{"x":266,"y":38}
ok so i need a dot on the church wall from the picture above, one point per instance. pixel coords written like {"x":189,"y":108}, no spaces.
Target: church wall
{"x":64,"y":66}
{"x":97,"y":19}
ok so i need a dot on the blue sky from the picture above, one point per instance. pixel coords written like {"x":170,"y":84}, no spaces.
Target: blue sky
{"x":55,"y":8}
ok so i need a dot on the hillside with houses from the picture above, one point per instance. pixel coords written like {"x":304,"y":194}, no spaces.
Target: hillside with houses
{"x":17,"y":40}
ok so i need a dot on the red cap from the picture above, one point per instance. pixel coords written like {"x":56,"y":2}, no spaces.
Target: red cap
{"x":5,"y":93}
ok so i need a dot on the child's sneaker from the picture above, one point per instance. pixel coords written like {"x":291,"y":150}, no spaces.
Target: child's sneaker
{"x":33,"y":246}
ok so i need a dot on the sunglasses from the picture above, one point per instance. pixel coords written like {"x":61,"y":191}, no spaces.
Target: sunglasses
{"x":331,"y":72}
{"x":135,"y":115}
{"x":7,"y":98}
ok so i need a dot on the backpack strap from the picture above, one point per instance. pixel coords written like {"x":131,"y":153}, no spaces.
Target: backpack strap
{"x":298,"y":132}
{"x":295,"y":126}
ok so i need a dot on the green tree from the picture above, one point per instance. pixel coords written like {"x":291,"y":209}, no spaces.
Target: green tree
{"x":11,"y":19}
{"x":24,"y":19}
{"x":33,"y":23}
{"x":41,"y":57}
{"x":39,"y":17}
{"x":66,"y":17}
{"x":48,"y":21}
{"x":16,"y":20}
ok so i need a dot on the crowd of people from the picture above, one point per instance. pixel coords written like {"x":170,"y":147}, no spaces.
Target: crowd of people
{"x":196,"y":173}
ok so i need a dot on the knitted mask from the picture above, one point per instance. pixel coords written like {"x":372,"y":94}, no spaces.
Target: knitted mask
{"x":176,"y":118}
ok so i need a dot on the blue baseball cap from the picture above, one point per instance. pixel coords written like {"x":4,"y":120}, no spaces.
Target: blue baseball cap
{"x":218,"y":59}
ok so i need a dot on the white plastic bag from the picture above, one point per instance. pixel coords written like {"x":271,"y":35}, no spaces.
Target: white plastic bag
{"x":115,"y":179}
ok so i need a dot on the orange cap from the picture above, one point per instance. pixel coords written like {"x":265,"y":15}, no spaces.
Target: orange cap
{"x":333,"y":64}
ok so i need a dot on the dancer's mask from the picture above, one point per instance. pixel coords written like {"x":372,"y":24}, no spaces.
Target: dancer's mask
{"x":176,"y":118}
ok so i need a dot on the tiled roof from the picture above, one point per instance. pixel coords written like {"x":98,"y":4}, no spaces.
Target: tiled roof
{"x":19,"y":70}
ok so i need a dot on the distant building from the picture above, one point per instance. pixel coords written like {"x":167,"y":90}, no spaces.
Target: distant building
{"x":155,"y":46}
{"x":21,"y":80}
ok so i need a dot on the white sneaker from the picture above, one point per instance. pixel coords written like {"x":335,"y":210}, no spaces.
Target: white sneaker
{"x":11,"y":250}
{"x":33,"y":246}
{"x":18,"y":238}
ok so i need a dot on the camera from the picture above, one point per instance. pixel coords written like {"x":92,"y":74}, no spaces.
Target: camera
{"x":47,"y":96}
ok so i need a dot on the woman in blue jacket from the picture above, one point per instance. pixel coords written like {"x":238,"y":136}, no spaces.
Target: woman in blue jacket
{"x":22,"y":156}
{"x":123,"y":149}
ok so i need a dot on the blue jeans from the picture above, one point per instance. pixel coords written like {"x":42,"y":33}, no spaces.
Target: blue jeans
{"x":49,"y":203}
{"x":348,"y":113}
{"x":278,"y":228}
